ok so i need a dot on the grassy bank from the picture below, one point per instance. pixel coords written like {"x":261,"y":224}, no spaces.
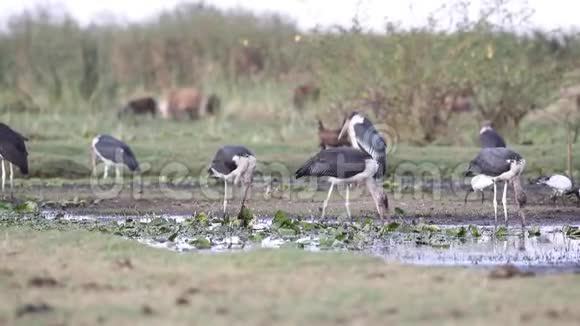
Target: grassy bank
{"x":59,"y":143}
{"x":90,"y":278}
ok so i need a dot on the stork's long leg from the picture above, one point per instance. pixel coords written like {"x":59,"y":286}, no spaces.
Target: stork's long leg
{"x":504,"y":202}
{"x":117,"y":172}
{"x":225,"y":195}
{"x":326,"y":201}
{"x":11,"y":176}
{"x":246,"y":186}
{"x":467,"y":195}
{"x":106,"y":173}
{"x":482,"y":196}
{"x":3,"y":175}
{"x":346,"y":203}
{"x":495,"y":201}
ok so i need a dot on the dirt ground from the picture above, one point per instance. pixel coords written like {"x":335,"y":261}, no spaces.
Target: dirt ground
{"x":443,"y":206}
{"x":89,"y":278}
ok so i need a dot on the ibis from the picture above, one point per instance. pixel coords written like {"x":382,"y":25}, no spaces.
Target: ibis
{"x":478,"y":184}
{"x":501,"y":164}
{"x":560,"y":185}
{"x":13,"y":150}
{"x":346,"y":165}
{"x":114,"y":153}
{"x":233,"y":163}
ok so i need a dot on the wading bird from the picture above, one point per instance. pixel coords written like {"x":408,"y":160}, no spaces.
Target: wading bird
{"x":13,"y":150}
{"x":363,"y":136}
{"x":560,"y":185}
{"x":112,"y":152}
{"x":346,"y":165}
{"x":478,"y":184}
{"x":233,"y":163}
{"x":501,"y":164}
{"x":489,"y":137}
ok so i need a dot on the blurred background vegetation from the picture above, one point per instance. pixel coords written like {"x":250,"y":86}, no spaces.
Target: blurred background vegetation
{"x":57,"y":73}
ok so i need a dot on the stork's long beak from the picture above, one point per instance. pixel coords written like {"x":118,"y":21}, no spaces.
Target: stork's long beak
{"x":344,"y":128}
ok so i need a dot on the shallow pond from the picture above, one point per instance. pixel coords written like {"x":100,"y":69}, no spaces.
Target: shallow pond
{"x":547,"y":248}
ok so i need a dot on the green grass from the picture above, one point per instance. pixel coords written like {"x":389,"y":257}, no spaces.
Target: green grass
{"x":59,"y":143}
{"x":105,"y":279}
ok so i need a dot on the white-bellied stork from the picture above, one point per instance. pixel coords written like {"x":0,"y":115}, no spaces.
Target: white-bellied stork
{"x":560,"y":185}
{"x":501,"y":164}
{"x":489,"y":137}
{"x":478,"y":184}
{"x":112,"y":152}
{"x":346,"y":165}
{"x":13,"y":150}
{"x":233,"y":163}
{"x":365,"y":137}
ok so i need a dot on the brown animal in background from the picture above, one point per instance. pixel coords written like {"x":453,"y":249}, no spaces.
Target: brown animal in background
{"x":189,"y":102}
{"x":139,"y":106}
{"x":213,"y":105}
{"x":248,"y":60}
{"x":459,"y":102}
{"x":304,"y":93}
{"x":329,"y":137}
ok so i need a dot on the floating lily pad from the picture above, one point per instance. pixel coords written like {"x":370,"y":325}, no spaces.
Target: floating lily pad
{"x":474,"y":231}
{"x":27,"y":207}
{"x":245,"y":216}
{"x":502,"y":231}
{"x":200,"y":243}
{"x":534,"y":231}
{"x":286,"y":232}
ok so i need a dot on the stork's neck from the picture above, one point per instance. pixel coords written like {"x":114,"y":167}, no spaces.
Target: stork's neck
{"x":357,"y":119}
{"x":484,"y":129}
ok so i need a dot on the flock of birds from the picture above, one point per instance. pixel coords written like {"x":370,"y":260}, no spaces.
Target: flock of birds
{"x":364,"y":161}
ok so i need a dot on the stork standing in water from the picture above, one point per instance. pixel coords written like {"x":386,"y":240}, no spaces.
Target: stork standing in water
{"x":363,"y":136}
{"x":112,"y":152}
{"x":501,"y":164}
{"x":346,"y":165}
{"x":234,"y":163}
{"x":560,"y":185}
{"x":13,"y":150}
{"x":489,"y":137}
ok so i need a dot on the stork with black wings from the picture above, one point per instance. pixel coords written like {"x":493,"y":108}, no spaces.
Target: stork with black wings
{"x":13,"y":150}
{"x":365,"y":137}
{"x":113,"y":152}
{"x":346,"y":165}
{"x":489,"y":137}
{"x":501,"y":164}
{"x":233,"y":163}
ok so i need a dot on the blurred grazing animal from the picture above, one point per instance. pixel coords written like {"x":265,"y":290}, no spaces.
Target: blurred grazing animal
{"x":304,"y":93}
{"x":248,"y":60}
{"x":488,"y":137}
{"x":139,"y":106}
{"x":188,"y":102}
{"x":560,"y":185}
{"x":329,"y":137}
{"x":13,"y":150}
{"x":462,"y":102}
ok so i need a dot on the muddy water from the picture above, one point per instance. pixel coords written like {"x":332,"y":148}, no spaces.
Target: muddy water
{"x":547,"y":249}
